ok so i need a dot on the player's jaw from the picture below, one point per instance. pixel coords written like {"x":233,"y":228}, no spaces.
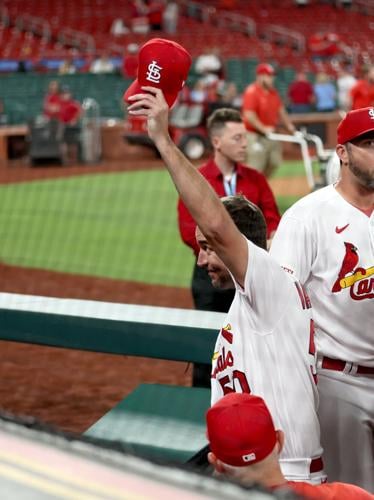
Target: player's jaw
{"x":361,"y":165}
{"x":220,"y":277}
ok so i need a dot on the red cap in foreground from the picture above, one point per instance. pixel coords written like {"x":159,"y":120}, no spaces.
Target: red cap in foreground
{"x":240,"y":429}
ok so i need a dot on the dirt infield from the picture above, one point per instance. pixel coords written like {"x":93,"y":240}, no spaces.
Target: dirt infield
{"x":72,"y":389}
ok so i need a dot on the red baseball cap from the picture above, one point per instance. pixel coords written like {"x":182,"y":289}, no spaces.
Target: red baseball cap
{"x":240,"y":429}
{"x":265,"y":69}
{"x":356,"y":123}
{"x":163,"y":64}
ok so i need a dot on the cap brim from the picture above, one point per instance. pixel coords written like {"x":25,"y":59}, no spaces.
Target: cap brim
{"x":370,"y":129}
{"x":135,"y":88}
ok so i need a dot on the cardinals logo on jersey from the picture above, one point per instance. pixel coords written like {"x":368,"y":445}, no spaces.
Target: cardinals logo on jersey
{"x":358,"y":279}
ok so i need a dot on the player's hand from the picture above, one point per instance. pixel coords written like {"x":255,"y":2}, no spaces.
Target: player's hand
{"x":152,"y":104}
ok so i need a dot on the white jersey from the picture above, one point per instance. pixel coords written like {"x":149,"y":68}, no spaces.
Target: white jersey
{"x":266,"y":347}
{"x":329,"y":245}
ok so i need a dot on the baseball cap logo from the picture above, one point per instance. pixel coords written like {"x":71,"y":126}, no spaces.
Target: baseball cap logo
{"x":249,"y":458}
{"x":371,"y":113}
{"x":153,"y":73}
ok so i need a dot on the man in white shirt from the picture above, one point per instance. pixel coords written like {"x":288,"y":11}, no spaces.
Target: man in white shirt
{"x":266,"y":344}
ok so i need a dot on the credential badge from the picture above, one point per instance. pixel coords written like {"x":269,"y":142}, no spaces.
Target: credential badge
{"x":153,"y":73}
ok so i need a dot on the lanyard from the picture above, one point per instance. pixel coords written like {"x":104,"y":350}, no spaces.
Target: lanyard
{"x":230,"y":185}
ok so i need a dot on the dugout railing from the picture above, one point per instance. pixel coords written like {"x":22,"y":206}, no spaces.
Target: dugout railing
{"x":159,"y":421}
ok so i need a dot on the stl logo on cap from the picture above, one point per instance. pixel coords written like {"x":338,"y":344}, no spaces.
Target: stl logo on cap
{"x":163,"y":64}
{"x":153,"y":73}
{"x":355,"y":123}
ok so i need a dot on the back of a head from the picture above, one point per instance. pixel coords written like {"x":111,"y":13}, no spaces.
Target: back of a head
{"x":240,"y":430}
{"x":218,"y":119}
{"x":248,"y":218}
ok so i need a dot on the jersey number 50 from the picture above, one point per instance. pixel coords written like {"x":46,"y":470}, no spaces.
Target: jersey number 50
{"x":239,"y":383}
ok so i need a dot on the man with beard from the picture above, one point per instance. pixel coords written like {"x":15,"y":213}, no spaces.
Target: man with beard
{"x":266,"y":343}
{"x":262,"y":110}
{"x":326,"y":240}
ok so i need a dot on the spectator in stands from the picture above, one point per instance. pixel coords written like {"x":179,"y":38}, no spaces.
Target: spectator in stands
{"x":300,"y":94}
{"x":102,"y":65}
{"x":227,"y":175}
{"x":119,"y":28}
{"x":227,"y":97}
{"x":262,"y":110}
{"x":344,"y":83}
{"x":198,"y":94}
{"x":362,"y":94}
{"x":327,"y":46}
{"x":325,"y":93}
{"x":52,"y":100}
{"x":139,"y":17}
{"x":130,"y":61}
{"x":246,"y":446}
{"x":67,"y":67}
{"x":170,"y":17}
{"x":209,"y":65}
{"x":70,"y":109}
{"x":155,"y":14}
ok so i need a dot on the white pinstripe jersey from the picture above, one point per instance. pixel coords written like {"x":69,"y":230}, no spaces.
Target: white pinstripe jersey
{"x":329,"y":245}
{"x":266,"y":347}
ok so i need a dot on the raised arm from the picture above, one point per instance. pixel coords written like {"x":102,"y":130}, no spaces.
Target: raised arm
{"x":199,"y":197}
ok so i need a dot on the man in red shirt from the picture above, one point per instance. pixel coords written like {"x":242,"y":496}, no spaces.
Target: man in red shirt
{"x":300,"y":94}
{"x":228,"y":176}
{"x":245,"y":446}
{"x":70,"y":109}
{"x":362,"y":93}
{"x":69,"y":114}
{"x":130,"y":61}
{"x":52,"y":100}
{"x":262,"y":110}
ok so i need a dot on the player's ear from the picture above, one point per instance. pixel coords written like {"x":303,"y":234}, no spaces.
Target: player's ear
{"x":280,"y":440}
{"x":341,"y":151}
{"x":212,"y":459}
{"x":215,"y":140}
{"x":217,"y":464}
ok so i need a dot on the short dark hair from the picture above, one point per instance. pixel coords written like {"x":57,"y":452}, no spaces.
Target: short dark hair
{"x":218,"y":119}
{"x":247,"y":217}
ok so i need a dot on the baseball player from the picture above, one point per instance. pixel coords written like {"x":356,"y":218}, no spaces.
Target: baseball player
{"x":266,"y":344}
{"x":326,"y":240}
{"x":227,"y":176}
{"x":245,"y":446}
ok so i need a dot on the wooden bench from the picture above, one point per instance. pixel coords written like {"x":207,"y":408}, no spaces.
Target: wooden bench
{"x":159,"y":421}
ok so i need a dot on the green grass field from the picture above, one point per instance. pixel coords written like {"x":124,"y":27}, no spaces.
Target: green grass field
{"x":116,"y":225}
